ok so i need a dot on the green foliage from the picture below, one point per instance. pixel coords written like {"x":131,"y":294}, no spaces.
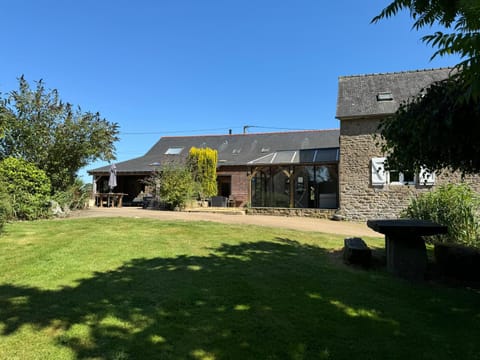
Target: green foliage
{"x":75,"y":197}
{"x":28,"y":188}
{"x":6,"y":210}
{"x":203,"y":164}
{"x":438,"y":129}
{"x":460,"y":16}
{"x":174,"y":184}
{"x":56,"y":136}
{"x":455,"y":206}
{"x":434,"y":130}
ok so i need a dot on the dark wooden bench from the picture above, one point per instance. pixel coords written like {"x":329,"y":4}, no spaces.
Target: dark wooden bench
{"x":404,"y":246}
{"x":356,"y":251}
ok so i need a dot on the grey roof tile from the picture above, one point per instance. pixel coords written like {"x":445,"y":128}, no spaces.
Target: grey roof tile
{"x":357,"y":95}
{"x":237,"y":149}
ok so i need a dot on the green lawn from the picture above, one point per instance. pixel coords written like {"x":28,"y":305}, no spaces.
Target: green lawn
{"x":145,"y":289}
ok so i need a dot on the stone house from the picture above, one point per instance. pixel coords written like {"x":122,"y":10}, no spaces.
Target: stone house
{"x":366,"y":190}
{"x":297,"y":169}
{"x":339,"y":170}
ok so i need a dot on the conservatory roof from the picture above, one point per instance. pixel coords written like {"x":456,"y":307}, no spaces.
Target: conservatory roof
{"x":307,"y":156}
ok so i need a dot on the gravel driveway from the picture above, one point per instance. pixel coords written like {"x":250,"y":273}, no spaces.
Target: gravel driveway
{"x":295,"y":223}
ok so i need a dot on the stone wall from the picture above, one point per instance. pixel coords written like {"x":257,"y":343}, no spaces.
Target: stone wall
{"x":313,"y":213}
{"x":359,"y":200}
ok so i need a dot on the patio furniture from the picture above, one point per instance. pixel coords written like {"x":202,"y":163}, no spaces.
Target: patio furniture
{"x":219,"y":201}
{"x":405,"y":248}
{"x":109,"y":199}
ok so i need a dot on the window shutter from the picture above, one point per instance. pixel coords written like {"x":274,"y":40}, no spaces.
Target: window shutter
{"x":379,"y":175}
{"x":426,"y":178}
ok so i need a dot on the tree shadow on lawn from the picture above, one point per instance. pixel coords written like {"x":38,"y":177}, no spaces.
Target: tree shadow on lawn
{"x":260,"y":300}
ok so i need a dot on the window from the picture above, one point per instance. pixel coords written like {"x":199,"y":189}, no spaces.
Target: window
{"x":384,"y":96}
{"x":401,"y":177}
{"x":380,"y":176}
{"x":174,"y":151}
{"x":426,"y":178}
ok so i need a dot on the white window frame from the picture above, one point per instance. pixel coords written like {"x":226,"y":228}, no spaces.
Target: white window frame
{"x":401,"y":179}
{"x":378,"y":174}
{"x":381,"y":177}
{"x":174,"y":150}
{"x":425,"y":177}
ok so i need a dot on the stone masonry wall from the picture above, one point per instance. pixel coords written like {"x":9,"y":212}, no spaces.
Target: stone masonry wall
{"x":313,"y":213}
{"x":359,"y":200}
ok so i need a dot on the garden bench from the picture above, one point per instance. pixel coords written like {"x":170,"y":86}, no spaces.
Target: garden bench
{"x":404,"y":246}
{"x":356,"y":251}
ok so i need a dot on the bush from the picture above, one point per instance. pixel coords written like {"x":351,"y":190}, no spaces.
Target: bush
{"x":75,"y":197}
{"x":6,"y":210}
{"x":174,"y":185}
{"x":27,"y":188}
{"x":455,"y":206}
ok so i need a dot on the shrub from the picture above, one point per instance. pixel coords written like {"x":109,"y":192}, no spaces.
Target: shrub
{"x":27,"y":187}
{"x":6,"y":211}
{"x":173,"y":184}
{"x":75,"y":197}
{"x":455,"y":206}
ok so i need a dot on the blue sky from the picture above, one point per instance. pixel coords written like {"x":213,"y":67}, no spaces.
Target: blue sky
{"x":189,"y":67}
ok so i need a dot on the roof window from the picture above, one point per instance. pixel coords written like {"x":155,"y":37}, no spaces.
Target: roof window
{"x":174,"y":151}
{"x":384,"y":96}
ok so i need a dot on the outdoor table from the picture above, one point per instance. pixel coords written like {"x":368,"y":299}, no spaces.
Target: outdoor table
{"x":405,"y":248}
{"x":112,"y":199}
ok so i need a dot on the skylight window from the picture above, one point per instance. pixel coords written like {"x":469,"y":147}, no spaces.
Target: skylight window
{"x":174,"y":151}
{"x":384,"y":96}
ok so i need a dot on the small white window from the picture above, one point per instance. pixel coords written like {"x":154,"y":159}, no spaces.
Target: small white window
{"x":379,"y":176}
{"x":174,"y":151}
{"x":425,"y":177}
{"x":385,"y":96}
{"x":396,"y":177}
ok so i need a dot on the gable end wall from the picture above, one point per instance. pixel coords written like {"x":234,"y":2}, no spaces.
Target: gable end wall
{"x":359,"y":200}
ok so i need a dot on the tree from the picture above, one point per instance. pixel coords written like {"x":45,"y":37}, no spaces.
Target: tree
{"x":435,"y":131}
{"x":438,"y":128}
{"x":54,"y":135}
{"x":461,"y":16}
{"x":203,"y":164}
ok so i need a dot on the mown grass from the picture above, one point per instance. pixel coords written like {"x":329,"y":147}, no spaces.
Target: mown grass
{"x":146,"y":289}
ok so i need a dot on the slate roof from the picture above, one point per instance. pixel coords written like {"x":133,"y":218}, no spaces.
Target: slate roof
{"x":233,"y":150}
{"x":357,"y":95}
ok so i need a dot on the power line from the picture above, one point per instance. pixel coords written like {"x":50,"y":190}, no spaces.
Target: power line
{"x":226,"y":129}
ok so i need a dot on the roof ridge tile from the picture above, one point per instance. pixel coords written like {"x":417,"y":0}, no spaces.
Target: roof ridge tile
{"x":397,"y":72}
